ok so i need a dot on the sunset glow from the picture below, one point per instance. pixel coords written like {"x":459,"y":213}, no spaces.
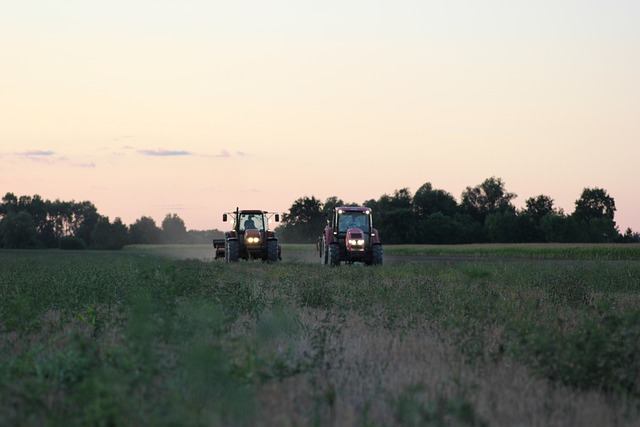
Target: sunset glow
{"x":195,"y":107}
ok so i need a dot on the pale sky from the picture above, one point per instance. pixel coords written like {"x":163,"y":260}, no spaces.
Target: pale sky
{"x":195,"y":107}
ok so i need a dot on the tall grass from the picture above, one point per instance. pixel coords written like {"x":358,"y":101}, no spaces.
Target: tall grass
{"x":131,"y":337}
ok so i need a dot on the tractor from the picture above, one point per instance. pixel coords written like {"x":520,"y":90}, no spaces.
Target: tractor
{"x":250,"y":237}
{"x":350,"y":237}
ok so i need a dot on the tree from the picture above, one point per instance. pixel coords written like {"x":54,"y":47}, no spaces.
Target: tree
{"x":428,"y":201}
{"x":594,"y":203}
{"x":395,"y":218}
{"x":173,"y":229}
{"x":538,"y":207}
{"x":438,"y":229}
{"x":110,"y":236}
{"x":594,"y":213}
{"x":18,"y":231}
{"x":331,"y":203}
{"x":502,"y":227}
{"x":486,"y":198}
{"x":304,"y":221}
{"x":145,"y":231}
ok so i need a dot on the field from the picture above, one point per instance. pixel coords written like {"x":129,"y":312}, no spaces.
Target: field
{"x":465,"y":336}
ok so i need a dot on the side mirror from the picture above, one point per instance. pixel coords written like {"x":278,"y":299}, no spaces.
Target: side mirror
{"x":224,"y":217}
{"x":277,"y":218}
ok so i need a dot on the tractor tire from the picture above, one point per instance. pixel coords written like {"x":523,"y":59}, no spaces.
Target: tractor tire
{"x":376,"y":255}
{"x":232,"y":251}
{"x":272,"y":251}
{"x":334,"y":255}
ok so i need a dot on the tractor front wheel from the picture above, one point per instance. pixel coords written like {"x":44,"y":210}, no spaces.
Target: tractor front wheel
{"x":272,"y":250}
{"x":334,"y":255}
{"x":232,"y":251}
{"x":376,"y":255}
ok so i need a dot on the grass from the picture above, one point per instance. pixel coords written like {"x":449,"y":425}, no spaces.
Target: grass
{"x":573,"y":251}
{"x":163,"y":335}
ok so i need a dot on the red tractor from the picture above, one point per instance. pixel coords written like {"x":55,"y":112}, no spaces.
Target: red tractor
{"x":350,"y":237}
{"x":250,"y":237}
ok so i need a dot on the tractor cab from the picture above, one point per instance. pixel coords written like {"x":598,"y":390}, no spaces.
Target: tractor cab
{"x":250,"y":236}
{"x":350,"y":237}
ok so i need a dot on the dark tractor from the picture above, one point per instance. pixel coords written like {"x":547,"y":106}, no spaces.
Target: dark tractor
{"x":350,"y":237}
{"x":250,"y":237}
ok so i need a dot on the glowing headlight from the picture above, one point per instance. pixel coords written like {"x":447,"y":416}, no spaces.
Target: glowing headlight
{"x":359,"y":242}
{"x":253,"y":239}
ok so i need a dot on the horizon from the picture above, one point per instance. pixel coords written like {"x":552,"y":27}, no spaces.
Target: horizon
{"x":195,"y":108}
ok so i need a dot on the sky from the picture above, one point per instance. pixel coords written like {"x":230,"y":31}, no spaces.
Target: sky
{"x":197,"y":107}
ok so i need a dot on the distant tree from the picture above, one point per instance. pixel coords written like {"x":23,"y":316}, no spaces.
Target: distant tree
{"x":394,"y":217}
{"x":594,"y":203}
{"x":173,"y":229}
{"x":304,"y":221}
{"x":110,"y":236}
{"x":538,"y":207}
{"x":9,"y":204}
{"x":629,"y":236}
{"x":486,"y":198}
{"x":502,"y":227}
{"x":594,"y":213}
{"x":439,"y":228}
{"x":145,"y":231}
{"x":331,"y":203}
{"x":428,"y":201}
{"x":18,"y":231}
{"x":85,"y":217}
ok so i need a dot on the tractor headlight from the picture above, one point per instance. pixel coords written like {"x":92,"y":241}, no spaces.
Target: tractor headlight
{"x":356,"y":242}
{"x":253,"y":240}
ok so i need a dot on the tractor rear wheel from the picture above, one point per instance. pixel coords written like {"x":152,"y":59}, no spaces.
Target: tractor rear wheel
{"x":376,"y":255}
{"x":232,"y":251}
{"x":272,"y":250}
{"x":334,"y":255}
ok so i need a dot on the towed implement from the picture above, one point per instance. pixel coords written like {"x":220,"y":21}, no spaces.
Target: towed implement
{"x":350,"y":237}
{"x":250,"y":237}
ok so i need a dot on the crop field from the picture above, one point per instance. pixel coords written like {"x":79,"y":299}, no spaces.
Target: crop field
{"x":444,"y":336}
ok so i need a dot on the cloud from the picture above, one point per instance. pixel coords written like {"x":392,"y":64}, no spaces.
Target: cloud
{"x":36,"y":153}
{"x":165,"y":153}
{"x":41,"y":156}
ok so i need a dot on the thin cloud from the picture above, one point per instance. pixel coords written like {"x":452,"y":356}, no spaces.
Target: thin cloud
{"x":37,"y":153}
{"x":40,"y":156}
{"x":165,"y":153}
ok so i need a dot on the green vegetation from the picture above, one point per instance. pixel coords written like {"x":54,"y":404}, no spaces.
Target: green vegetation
{"x":137,"y":337}
{"x":485,"y":214}
{"x":34,"y":223}
{"x":567,"y":251}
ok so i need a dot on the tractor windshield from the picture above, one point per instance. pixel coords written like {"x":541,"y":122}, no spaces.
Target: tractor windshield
{"x":251,"y":221}
{"x":347,"y":220}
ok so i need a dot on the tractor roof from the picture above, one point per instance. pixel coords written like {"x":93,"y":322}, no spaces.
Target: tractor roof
{"x":251,"y":211}
{"x":353,"y":208}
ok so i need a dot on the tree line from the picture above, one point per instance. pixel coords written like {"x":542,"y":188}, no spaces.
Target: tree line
{"x":33,"y":222}
{"x":485,"y":214}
